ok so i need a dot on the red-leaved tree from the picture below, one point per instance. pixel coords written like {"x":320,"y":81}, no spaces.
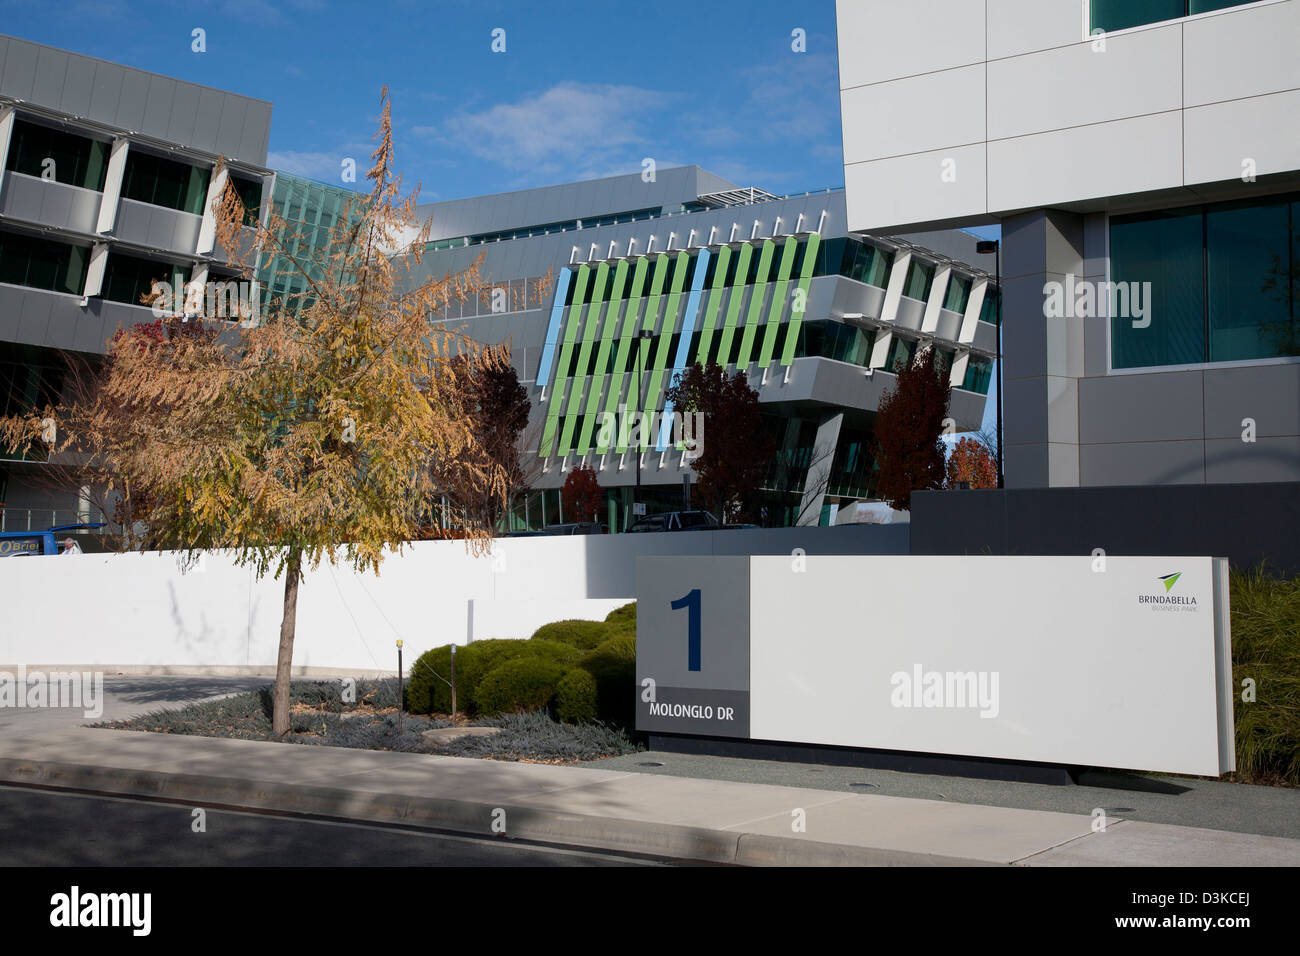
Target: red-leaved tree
{"x":907,"y":429}
{"x":972,"y":463}
{"x":581,"y":494}
{"x":734,"y":451}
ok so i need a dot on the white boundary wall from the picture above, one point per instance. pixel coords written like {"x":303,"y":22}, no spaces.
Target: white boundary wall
{"x":138,"y":611}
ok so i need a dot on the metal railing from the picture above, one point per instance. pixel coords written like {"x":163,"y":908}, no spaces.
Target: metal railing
{"x":39,"y":519}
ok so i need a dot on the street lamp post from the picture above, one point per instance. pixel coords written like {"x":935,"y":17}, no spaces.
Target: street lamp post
{"x":994,"y":247}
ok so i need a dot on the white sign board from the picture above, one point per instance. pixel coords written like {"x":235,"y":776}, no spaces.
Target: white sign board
{"x":1120,"y":663}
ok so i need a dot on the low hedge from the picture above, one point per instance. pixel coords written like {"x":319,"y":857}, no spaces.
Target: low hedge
{"x":613,"y":665}
{"x":584,"y":635}
{"x":575,"y":697}
{"x":518,"y":685}
{"x":427,"y":694}
{"x":623,"y":617}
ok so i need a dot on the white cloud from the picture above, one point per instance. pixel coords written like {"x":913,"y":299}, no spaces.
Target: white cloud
{"x":325,"y":167}
{"x":571,"y":126}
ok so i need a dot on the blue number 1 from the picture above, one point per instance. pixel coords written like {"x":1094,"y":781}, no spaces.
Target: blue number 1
{"x":691,"y":601}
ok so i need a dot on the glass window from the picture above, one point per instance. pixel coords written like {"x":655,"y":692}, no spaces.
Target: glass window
{"x":990,"y":310}
{"x":165,"y":182}
{"x":1247,"y":319}
{"x":250,"y":194}
{"x":1163,"y":249}
{"x":958,"y":294}
{"x":77,"y":161}
{"x":1222,"y":283}
{"x":978,"y":373}
{"x":919,"y":276}
{"x":866,"y":263}
{"x":901,"y":353}
{"x":128,"y":279}
{"x":42,"y":263}
{"x":1122,"y":14}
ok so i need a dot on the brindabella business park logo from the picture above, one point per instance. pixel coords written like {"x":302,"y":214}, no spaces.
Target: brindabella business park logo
{"x":1169,"y":601}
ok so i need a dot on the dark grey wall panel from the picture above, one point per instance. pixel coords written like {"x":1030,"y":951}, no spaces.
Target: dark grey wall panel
{"x":1142,"y":463}
{"x":134,"y":100}
{"x":1246,"y":523}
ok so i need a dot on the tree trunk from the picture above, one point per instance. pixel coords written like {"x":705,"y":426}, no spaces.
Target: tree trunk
{"x":284,"y":661}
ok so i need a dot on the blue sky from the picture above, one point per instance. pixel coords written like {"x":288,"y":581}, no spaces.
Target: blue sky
{"x":582,"y":89}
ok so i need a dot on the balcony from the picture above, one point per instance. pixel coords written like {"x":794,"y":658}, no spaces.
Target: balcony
{"x":49,"y":203}
{"x":157,"y":227}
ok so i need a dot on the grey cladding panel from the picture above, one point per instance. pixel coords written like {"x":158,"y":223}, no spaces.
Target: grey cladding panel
{"x":257,"y":129}
{"x":206,"y":119}
{"x":51,"y":68}
{"x":180,"y":125}
{"x":19,"y":71}
{"x":231,"y":128}
{"x":1165,"y":406}
{"x":78,"y":86}
{"x":158,"y":106}
{"x":1267,"y":394}
{"x":131,"y":105}
{"x":108,"y":89}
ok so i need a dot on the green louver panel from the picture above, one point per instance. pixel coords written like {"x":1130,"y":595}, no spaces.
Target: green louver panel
{"x":711,"y":310}
{"x":755,"y":304}
{"x":733,"y":307}
{"x":643,"y":348}
{"x":561,"y":376}
{"x":778,"y":302}
{"x":660,"y":363}
{"x":584,"y":357}
{"x":801,"y":294}
{"x":622,"y":357}
{"x":598,"y":377}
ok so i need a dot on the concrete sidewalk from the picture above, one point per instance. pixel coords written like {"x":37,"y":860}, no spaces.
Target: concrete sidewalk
{"x":681,"y":818}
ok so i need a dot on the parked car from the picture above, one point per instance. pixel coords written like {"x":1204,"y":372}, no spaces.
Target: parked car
{"x":676,"y":521}
{"x":574,"y":527}
{"x":17,"y":544}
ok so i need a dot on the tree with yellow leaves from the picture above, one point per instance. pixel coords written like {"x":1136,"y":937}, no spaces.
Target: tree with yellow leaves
{"x":300,"y":435}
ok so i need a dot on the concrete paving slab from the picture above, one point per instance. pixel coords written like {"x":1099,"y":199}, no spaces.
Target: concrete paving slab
{"x":705,"y":803}
{"x":1134,"y":843}
{"x":989,"y":834}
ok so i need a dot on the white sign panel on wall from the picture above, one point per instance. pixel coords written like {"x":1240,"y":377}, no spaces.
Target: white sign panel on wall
{"x":1123,"y":663}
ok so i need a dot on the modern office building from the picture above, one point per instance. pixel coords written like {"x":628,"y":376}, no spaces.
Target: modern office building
{"x":649,"y":275}
{"x":1143,"y":161}
{"x":105,"y":177}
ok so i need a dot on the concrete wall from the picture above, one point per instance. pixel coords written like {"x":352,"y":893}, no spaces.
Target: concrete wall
{"x":1245,"y":523}
{"x":140,"y":611}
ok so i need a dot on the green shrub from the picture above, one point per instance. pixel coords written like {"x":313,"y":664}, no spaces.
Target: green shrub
{"x":575,"y":697}
{"x":1266,"y":649}
{"x":427,"y":694}
{"x":521,"y":684}
{"x":623,"y":617}
{"x":613,"y":665}
{"x":585,"y":635}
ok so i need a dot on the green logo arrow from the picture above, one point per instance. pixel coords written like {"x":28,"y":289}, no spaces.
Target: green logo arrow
{"x":1170,"y":580}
